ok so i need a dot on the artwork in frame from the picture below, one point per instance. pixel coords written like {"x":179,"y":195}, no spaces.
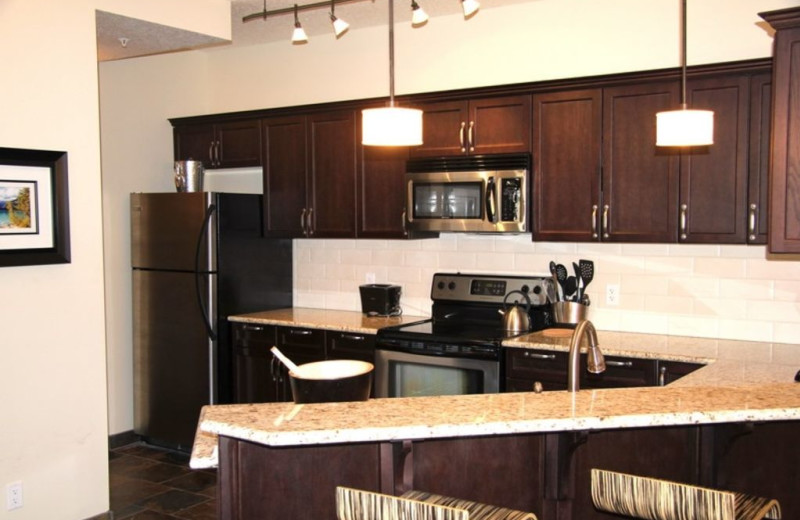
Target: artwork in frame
{"x":34,"y":212}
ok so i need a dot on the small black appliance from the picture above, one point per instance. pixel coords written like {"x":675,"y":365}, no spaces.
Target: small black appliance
{"x":380,"y":299}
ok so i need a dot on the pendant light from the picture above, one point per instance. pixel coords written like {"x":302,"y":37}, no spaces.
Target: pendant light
{"x":391,"y":126}
{"x":298,"y":35}
{"x":684,"y":127}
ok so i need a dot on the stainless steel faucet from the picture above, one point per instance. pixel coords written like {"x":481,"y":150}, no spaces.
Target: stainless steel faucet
{"x":596,"y":363}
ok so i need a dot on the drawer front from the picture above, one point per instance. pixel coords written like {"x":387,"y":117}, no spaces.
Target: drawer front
{"x":350,"y":345}
{"x":302,"y":345}
{"x":536,"y":364}
{"x":253,"y":335}
{"x":621,"y":372}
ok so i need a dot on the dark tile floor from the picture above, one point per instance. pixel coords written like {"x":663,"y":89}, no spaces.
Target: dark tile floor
{"x":149,"y":483}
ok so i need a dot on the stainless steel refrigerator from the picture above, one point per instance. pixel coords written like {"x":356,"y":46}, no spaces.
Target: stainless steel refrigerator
{"x":197,"y":258}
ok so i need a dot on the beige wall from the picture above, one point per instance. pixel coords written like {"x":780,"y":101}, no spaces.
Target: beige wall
{"x":53,"y":378}
{"x":537,"y":40}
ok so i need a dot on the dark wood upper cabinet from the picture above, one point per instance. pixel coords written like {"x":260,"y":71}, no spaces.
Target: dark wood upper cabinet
{"x":639,"y":182}
{"x":758,"y":180}
{"x":332,"y":198}
{"x":566,"y":157}
{"x":713,"y":179}
{"x":475,"y":126}
{"x":784,"y":223}
{"x":381,"y":192}
{"x":231,"y":144}
{"x":285,"y":176}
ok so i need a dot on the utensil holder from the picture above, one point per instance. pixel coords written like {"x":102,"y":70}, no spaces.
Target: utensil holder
{"x":569,"y":313}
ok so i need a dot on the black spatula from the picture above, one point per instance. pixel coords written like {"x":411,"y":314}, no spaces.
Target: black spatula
{"x":587,"y":275}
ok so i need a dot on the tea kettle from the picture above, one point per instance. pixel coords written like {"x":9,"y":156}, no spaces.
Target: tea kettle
{"x":516,"y":319}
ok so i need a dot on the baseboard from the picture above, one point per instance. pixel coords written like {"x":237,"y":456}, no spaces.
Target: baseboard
{"x":122,"y":439}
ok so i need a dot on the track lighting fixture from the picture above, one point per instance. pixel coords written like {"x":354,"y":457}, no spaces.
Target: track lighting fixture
{"x":339,"y":25}
{"x":470,"y":7}
{"x":418,"y":15}
{"x":298,"y":35}
{"x":684,"y":127}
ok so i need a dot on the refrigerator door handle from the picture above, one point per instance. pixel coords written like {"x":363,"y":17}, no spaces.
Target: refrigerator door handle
{"x":198,"y":275}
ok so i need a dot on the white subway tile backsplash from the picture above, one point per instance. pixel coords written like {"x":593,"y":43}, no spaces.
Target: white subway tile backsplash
{"x":729,"y":292}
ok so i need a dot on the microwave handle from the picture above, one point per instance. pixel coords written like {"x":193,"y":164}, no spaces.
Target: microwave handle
{"x":491,"y":196}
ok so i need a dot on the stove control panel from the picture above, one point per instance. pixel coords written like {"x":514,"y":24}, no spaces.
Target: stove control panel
{"x":485,"y":288}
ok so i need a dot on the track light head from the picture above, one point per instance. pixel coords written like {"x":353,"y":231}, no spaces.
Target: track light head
{"x":418,"y":15}
{"x":339,"y":25}
{"x":470,"y":7}
{"x":298,"y":35}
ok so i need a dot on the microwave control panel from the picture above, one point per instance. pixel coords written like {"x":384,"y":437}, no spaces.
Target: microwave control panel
{"x":510,"y":199}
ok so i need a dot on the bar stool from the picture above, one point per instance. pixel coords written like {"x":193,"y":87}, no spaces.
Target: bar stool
{"x":654,"y":499}
{"x":357,"y":504}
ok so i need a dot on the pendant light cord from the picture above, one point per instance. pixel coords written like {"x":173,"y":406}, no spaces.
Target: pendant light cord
{"x":391,"y":53}
{"x":683,"y":54}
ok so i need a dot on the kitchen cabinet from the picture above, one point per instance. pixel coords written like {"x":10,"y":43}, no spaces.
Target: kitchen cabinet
{"x":257,"y":376}
{"x":669,"y":371}
{"x":758,"y":166}
{"x":784,"y":185}
{"x":526,"y":367}
{"x":349,"y":345}
{"x":713,"y":203}
{"x":232,"y":144}
{"x":475,"y":126}
{"x":310,"y":175}
{"x":598,"y":174}
{"x":381,"y":192}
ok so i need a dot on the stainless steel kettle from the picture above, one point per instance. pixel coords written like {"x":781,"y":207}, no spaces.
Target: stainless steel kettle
{"x":516,"y":319}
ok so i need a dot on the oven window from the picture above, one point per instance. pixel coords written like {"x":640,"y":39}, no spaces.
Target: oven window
{"x":460,"y":200}
{"x":417,"y":380}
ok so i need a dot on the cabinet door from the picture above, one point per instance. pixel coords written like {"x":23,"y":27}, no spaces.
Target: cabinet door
{"x":332,"y":142}
{"x":640,"y":182}
{"x":758,"y":171}
{"x":256,"y":378}
{"x":194,"y":143}
{"x":301,"y":346}
{"x":349,"y":345}
{"x":620,"y":372}
{"x":566,"y":173}
{"x":238,"y":144}
{"x":713,"y":185}
{"x":784,"y":210}
{"x":499,"y":125}
{"x":444,"y":129}
{"x":381,"y":192}
{"x":284,"y":165}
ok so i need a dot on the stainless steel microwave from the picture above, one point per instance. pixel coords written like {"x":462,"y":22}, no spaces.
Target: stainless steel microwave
{"x":476,"y":194}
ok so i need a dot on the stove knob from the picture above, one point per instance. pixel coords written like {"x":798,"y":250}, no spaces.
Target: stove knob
{"x":537,"y":289}
{"x":525,"y":289}
{"x":451,"y":286}
{"x":440,"y":285}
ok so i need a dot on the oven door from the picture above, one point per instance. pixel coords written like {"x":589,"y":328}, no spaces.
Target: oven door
{"x":404,"y":374}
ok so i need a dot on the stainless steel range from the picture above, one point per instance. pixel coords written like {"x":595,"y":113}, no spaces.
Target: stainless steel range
{"x":458,"y":350}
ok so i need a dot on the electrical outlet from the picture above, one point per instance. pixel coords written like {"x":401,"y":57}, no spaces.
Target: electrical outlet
{"x":612,"y":294}
{"x":13,"y":495}
{"x":370,"y":277}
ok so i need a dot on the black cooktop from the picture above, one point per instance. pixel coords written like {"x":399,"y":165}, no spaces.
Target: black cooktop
{"x":434,"y":330}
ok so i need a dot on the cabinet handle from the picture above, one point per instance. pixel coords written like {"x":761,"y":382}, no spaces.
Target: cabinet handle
{"x":461,"y":136}
{"x":299,"y":332}
{"x":605,"y":220}
{"x":303,"y":221}
{"x":684,"y":211}
{"x":353,"y":337}
{"x":537,"y":387}
{"x":217,"y":154}
{"x":471,"y":136}
{"x":211,"y":152}
{"x":752,"y":221}
{"x":594,"y":220}
{"x":622,"y":364}
{"x":662,"y":376}
{"x":310,"y":222}
{"x":534,"y":355}
{"x":254,"y":327}
{"x":403,"y":223}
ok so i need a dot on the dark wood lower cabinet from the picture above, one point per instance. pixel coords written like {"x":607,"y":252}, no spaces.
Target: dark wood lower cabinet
{"x":545,"y":473}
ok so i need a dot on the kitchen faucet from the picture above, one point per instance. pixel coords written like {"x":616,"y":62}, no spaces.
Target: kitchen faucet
{"x":596,"y":363}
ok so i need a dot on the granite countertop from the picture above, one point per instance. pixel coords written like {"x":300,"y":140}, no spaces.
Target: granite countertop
{"x":345,"y":321}
{"x":740,"y":382}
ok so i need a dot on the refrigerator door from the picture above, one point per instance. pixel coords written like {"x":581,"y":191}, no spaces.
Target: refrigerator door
{"x":172,"y":231}
{"x":174,"y":359}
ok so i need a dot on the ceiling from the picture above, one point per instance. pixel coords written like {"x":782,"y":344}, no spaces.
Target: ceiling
{"x":146,"y":38}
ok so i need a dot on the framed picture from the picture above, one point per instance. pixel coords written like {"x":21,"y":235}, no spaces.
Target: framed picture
{"x":34,"y":213}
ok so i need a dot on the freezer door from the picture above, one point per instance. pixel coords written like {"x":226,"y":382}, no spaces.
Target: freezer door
{"x":166,"y":228}
{"x":174,"y":360}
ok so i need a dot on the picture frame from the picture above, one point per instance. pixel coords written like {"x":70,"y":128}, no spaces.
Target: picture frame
{"x":34,"y":207}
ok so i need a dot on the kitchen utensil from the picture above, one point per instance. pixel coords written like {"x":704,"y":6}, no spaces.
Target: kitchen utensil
{"x":587,"y":273}
{"x":561,"y":274}
{"x":578,"y":291}
{"x":516,"y":319}
{"x":285,"y":360}
{"x":570,"y":288}
{"x":555,"y":281}
{"x":333,"y":380}
{"x":188,"y":176}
